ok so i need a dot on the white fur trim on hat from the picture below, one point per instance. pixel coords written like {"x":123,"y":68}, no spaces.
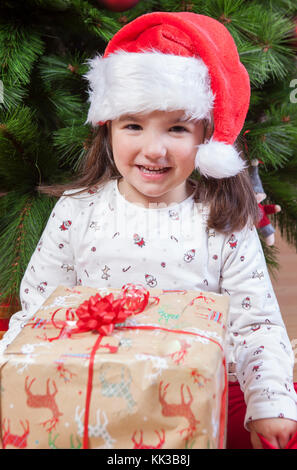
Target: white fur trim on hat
{"x":126,"y":82}
{"x":218,"y":160}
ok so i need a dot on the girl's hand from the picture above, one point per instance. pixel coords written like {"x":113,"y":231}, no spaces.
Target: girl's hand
{"x":278,"y":431}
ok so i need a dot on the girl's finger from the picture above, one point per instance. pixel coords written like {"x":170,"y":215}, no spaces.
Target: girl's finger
{"x":283,"y":439}
{"x":255,"y":440}
{"x":268,"y":440}
{"x":274,"y":441}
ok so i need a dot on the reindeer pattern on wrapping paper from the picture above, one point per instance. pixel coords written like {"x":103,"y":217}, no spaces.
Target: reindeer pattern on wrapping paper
{"x":182,"y":409}
{"x":18,"y":441}
{"x":46,"y":400}
{"x":97,"y":430}
{"x":140,"y":444}
{"x":120,"y":389}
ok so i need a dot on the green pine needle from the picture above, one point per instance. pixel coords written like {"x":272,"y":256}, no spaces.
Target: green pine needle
{"x":68,"y":143}
{"x":22,"y":220}
{"x":20,"y":46}
{"x":55,"y":69}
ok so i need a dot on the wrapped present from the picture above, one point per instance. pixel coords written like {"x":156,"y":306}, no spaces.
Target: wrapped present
{"x":123,"y":368}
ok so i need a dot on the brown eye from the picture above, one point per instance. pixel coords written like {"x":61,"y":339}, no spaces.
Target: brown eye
{"x":133,"y":127}
{"x":178,"y":129}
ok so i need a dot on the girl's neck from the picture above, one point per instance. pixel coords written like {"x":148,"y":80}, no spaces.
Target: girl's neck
{"x":133,"y":196}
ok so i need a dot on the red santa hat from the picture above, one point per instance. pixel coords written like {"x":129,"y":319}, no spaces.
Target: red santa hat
{"x":176,"y":61}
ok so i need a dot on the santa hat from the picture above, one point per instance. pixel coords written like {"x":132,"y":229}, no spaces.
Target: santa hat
{"x":176,"y":61}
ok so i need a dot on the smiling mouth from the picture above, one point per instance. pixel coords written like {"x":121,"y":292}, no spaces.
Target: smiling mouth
{"x":152,"y":170}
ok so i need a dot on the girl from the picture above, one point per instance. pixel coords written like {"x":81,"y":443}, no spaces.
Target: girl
{"x":169,"y":96}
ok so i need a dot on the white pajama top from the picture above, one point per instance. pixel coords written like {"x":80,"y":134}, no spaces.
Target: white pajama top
{"x":99,"y":239}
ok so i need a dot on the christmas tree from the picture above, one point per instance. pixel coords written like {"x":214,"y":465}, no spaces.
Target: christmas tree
{"x":44,"y":46}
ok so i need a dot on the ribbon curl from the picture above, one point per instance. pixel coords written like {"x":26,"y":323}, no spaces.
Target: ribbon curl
{"x":102,"y":313}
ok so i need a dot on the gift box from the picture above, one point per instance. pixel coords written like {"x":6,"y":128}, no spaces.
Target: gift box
{"x":126,"y":368}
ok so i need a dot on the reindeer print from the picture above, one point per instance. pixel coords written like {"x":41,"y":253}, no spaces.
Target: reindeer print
{"x":64,"y":373}
{"x":18,"y":441}
{"x":44,"y":401}
{"x":199,"y":379}
{"x":141,"y":445}
{"x":179,"y":409}
{"x":179,"y":355}
{"x":97,"y":430}
{"x":121,"y":388}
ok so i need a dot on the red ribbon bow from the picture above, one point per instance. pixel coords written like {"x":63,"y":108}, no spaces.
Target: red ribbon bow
{"x":103,"y":313}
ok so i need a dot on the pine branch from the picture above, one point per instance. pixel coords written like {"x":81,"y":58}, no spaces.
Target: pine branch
{"x":71,"y":144}
{"x":19,"y":125}
{"x":22,"y":220}
{"x":285,"y":7}
{"x":99,"y":22}
{"x":65,"y":104}
{"x":172,"y":5}
{"x":55,"y":69}
{"x":56,"y":5}
{"x":20,"y":46}
{"x":266,"y":52}
{"x":18,"y":137}
{"x":261,"y":34}
{"x":13,"y":96}
{"x":273,"y":139}
{"x":144,"y":6}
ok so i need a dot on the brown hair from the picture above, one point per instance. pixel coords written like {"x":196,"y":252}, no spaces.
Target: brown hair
{"x":232,"y":203}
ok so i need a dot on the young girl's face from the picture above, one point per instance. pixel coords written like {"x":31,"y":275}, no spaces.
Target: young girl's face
{"x":156,"y":140}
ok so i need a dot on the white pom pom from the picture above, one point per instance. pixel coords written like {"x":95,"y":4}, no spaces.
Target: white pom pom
{"x":218,"y":160}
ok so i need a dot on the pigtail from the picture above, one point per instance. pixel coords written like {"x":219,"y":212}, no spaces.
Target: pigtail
{"x":232,"y":203}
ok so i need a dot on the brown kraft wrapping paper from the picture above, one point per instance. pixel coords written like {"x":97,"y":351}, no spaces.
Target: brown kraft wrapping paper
{"x":162,"y":388}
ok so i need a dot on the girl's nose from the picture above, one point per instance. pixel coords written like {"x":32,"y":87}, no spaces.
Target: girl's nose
{"x":154,"y":147}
